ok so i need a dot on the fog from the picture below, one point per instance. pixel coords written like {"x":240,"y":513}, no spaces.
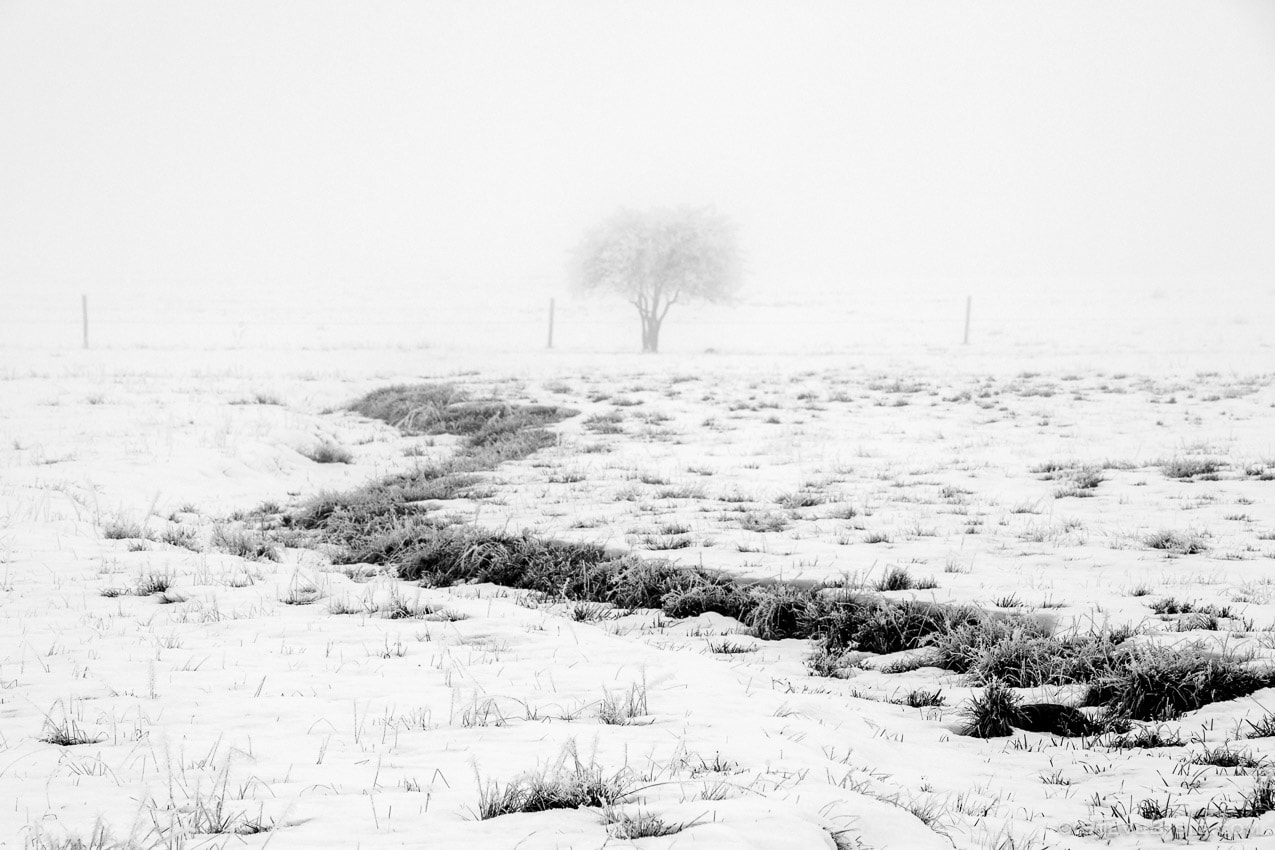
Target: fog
{"x":330,"y":513}
{"x":461,"y":148}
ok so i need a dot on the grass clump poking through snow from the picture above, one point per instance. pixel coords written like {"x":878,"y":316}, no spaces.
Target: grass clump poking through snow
{"x":1080,"y":483}
{"x":1253,"y":803}
{"x":874,"y":624}
{"x":180,"y":536}
{"x":118,"y":529}
{"x":1263,"y":727}
{"x":896,"y":578}
{"x":1226,"y":757}
{"x":623,"y":708}
{"x":992,"y":713}
{"x":1146,"y":738}
{"x":577,"y":788}
{"x":997,"y":711}
{"x":627,"y":827}
{"x":243,"y":543}
{"x":1160,"y":683}
{"x":446,"y":409}
{"x":153,"y":583}
{"x":329,"y":452}
{"x":444,"y":556}
{"x":782,"y":611}
{"x":921,"y":699}
{"x":1023,"y":653}
{"x":411,"y":408}
{"x":99,"y":838}
{"x":1172,"y":541}
{"x":1196,"y":468}
{"x":66,"y":733}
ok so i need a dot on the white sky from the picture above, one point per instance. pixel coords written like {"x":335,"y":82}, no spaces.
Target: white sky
{"x":466,"y":143}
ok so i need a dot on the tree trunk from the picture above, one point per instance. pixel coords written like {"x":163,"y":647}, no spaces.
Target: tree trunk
{"x":650,"y":333}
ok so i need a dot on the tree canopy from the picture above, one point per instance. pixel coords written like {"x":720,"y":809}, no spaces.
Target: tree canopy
{"x":659,"y":258}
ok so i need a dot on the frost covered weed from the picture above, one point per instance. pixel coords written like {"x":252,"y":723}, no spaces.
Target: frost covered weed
{"x":147,"y":584}
{"x":1253,"y":803}
{"x":399,"y":607}
{"x":730,"y":647}
{"x":1170,"y":605}
{"x":591,"y":612}
{"x":1263,"y":727}
{"x":896,"y":578}
{"x":1224,"y":756}
{"x":800,"y":499}
{"x":66,"y":732}
{"x":1146,"y":738}
{"x":328,"y":452}
{"x":581,"y":786}
{"x":624,"y":707}
{"x":118,"y":529}
{"x":826,"y":662}
{"x":1160,"y":683}
{"x":99,"y":837}
{"x":180,"y":536}
{"x":1193,"y":468}
{"x":991,"y":713}
{"x":763,"y":522}
{"x":301,"y":594}
{"x":1176,"y":542}
{"x":782,"y":611}
{"x":1023,"y":653}
{"x":1079,"y":483}
{"x":921,"y":699}
{"x":629,"y":827}
{"x":213,"y":815}
{"x":1051,"y":469}
{"x":153,"y":583}
{"x":343,"y":605}
{"x":876,"y":624}
{"x":605,"y":423}
{"x":244,"y":544}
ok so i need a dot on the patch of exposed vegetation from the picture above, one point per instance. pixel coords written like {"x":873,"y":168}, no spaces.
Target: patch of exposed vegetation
{"x":118,"y":529}
{"x":246,"y":544}
{"x":579,"y":787}
{"x":447,"y":409}
{"x":1176,"y":542}
{"x":328,"y":452}
{"x":390,"y":523}
{"x":1161,"y":683}
{"x":898,"y":578}
{"x":1192,"y":468}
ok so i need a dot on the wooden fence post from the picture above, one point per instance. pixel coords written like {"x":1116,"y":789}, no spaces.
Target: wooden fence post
{"x":551,"y":323}
{"x":969,"y":300}
{"x":84,"y":313}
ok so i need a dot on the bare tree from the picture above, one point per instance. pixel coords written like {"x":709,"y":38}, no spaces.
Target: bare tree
{"x":659,"y":258}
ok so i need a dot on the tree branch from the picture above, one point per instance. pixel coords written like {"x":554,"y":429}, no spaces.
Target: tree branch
{"x":669,"y":303}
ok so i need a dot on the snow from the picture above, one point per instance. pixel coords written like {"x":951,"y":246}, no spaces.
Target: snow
{"x":348,"y":730}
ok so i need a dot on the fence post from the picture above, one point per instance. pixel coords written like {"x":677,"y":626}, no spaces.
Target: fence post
{"x":84,"y":313}
{"x":551,"y":323}
{"x":969,"y":300}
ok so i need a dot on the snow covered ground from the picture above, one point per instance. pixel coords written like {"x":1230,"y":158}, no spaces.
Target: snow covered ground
{"x":237,"y":696}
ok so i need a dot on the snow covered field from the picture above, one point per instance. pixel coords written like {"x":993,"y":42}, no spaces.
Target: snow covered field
{"x":176,"y":695}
